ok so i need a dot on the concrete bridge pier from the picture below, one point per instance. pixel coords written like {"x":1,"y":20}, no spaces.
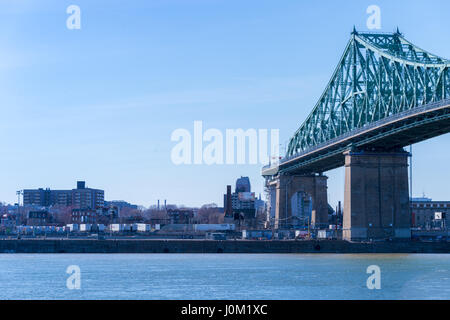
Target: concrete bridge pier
{"x":287,"y":189}
{"x":376,"y":204}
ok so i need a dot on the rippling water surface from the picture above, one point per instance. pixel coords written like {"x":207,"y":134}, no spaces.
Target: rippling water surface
{"x":224,"y":276}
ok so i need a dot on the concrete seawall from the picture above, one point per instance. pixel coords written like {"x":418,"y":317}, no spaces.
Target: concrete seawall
{"x":202,"y":246}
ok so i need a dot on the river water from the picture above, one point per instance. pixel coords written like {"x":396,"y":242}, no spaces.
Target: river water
{"x":223,"y":276}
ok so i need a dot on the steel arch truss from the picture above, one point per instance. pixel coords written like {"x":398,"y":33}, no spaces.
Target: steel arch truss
{"x":379,"y":75}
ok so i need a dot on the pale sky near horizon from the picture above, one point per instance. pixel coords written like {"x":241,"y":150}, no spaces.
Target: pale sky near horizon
{"x":99,"y":104}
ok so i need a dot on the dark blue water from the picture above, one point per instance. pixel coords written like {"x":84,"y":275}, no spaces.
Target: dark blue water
{"x":224,"y":276}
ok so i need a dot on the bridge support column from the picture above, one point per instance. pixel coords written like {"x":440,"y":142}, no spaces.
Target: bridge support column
{"x":287,"y":186}
{"x":376,"y":204}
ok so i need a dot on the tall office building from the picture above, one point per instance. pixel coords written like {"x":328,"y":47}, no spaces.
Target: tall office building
{"x":243,"y":185}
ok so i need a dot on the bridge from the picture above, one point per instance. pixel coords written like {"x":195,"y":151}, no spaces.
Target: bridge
{"x":386,"y":93}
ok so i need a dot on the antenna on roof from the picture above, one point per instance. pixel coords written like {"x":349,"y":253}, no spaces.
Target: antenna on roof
{"x":398,"y":32}
{"x":354,"y":30}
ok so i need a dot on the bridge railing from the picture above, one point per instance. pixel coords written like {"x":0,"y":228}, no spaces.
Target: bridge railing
{"x":365,"y":128}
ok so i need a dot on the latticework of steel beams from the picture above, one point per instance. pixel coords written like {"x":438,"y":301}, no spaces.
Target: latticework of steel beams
{"x":379,"y":75}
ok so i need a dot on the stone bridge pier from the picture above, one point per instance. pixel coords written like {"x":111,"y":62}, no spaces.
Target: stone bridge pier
{"x":376,"y":203}
{"x":287,"y":186}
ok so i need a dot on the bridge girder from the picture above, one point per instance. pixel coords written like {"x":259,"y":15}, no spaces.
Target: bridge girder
{"x":378,"y":76}
{"x":387,"y":134}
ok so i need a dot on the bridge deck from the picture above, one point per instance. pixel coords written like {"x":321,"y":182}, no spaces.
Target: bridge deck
{"x":396,"y":131}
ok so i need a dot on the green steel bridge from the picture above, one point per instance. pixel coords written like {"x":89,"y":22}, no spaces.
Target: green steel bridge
{"x":385,"y":94}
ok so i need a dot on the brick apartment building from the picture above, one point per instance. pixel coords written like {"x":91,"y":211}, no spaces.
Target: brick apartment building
{"x":81,"y":197}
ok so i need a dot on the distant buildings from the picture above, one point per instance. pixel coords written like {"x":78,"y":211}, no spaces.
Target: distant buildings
{"x":301,"y":204}
{"x":241,"y":205}
{"x":37,"y":218}
{"x":46,"y":197}
{"x":241,"y":199}
{"x":7,"y":221}
{"x":181,"y":216}
{"x":120,"y":204}
{"x":243,"y":185}
{"x":85,"y":215}
{"x":428,"y":214}
{"x":86,"y":205}
{"x":110,"y":214}
{"x":103,"y":215}
{"x":81,"y":197}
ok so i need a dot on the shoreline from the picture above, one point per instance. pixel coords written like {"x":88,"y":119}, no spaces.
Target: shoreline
{"x":215,"y":246}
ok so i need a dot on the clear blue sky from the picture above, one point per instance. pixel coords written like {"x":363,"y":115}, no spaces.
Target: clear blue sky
{"x":99,"y":104}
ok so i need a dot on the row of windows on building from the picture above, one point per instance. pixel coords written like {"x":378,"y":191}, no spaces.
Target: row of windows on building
{"x":81,"y":197}
{"x":431,"y":205}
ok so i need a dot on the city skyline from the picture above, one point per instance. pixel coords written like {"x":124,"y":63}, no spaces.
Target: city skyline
{"x":46,"y":197}
{"x":175,"y":64}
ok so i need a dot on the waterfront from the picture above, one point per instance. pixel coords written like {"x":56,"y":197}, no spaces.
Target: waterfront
{"x":224,"y":276}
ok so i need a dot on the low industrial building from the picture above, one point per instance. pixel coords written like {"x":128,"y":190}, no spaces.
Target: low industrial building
{"x":427,"y":214}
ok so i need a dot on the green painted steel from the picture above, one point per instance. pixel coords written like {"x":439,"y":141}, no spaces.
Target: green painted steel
{"x":379,"y":75}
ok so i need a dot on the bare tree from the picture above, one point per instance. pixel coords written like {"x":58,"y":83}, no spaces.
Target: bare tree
{"x":210,"y":213}
{"x":62,"y":215}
